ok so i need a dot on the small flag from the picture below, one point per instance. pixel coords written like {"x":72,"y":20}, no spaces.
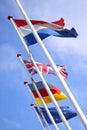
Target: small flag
{"x":68,"y":113}
{"x":58,"y":95}
{"x":43,"y":32}
{"x":44,"y":68}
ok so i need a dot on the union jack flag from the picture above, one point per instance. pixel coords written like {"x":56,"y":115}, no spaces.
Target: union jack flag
{"x":44,"y":68}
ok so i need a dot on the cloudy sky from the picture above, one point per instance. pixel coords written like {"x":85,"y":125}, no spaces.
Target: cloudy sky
{"x":15,"y":100}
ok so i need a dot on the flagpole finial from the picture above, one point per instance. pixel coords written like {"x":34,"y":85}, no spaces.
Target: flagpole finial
{"x":25,"y":82}
{"x":31,"y":104}
{"x":18,"y":55}
{"x":10,"y":17}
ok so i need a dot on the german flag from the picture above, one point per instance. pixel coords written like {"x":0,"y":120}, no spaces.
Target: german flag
{"x":58,"y":94}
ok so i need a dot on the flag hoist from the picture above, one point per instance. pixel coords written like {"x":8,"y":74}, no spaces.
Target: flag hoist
{"x":70,"y":95}
{"x":42,"y":78}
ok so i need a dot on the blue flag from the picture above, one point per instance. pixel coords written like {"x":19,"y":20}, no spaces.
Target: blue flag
{"x":66,"y":111}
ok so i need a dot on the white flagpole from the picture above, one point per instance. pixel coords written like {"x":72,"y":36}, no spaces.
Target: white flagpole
{"x":32,"y":105}
{"x":70,"y":95}
{"x":50,"y":116}
{"x":43,"y":80}
{"x":38,"y":110}
{"x":38,"y":107}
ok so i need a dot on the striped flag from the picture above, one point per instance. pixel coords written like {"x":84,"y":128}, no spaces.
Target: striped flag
{"x":58,"y":94}
{"x":44,"y":68}
{"x":44,"y":30}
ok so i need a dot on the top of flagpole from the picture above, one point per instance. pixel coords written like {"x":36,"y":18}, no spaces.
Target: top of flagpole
{"x":10,"y":17}
{"x":18,"y":55}
{"x":31,"y":104}
{"x":25,"y":82}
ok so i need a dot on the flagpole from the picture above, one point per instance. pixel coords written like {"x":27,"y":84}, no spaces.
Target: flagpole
{"x":38,"y":108}
{"x":32,"y":105}
{"x":33,"y":82}
{"x":70,"y":95}
{"x":43,"y":80}
{"x":39,"y":111}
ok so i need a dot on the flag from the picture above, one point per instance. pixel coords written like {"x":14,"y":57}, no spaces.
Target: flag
{"x":68,"y":113}
{"x":44,"y":68}
{"x":43,"y":32}
{"x":58,"y":94}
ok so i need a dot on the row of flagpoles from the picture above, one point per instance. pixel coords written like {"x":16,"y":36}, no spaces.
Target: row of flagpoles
{"x":23,"y":27}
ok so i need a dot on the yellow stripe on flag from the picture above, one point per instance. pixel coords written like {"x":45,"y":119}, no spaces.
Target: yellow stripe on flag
{"x":47,"y":99}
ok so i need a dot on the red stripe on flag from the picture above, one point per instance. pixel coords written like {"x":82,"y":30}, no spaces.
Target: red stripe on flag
{"x":44,"y":93}
{"x":22,"y":22}
{"x":59,"y":22}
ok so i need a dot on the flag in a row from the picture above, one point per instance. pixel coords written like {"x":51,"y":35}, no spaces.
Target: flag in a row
{"x":57,"y":93}
{"x":43,"y":30}
{"x":68,"y":113}
{"x":44,"y":68}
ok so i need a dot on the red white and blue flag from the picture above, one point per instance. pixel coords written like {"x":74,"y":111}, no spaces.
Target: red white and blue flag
{"x":44,"y":68}
{"x":44,"y":30}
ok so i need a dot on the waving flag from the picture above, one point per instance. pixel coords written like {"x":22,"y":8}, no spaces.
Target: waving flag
{"x":65,"y":109}
{"x":44,"y":68}
{"x":44,"y":30}
{"x":58,"y":95}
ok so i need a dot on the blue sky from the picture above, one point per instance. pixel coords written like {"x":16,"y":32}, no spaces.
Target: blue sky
{"x":15,"y":110}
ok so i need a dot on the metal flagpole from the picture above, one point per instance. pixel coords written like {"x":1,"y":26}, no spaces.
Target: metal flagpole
{"x":33,"y":82}
{"x":70,"y":95}
{"x":32,"y":105}
{"x":43,"y":80}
